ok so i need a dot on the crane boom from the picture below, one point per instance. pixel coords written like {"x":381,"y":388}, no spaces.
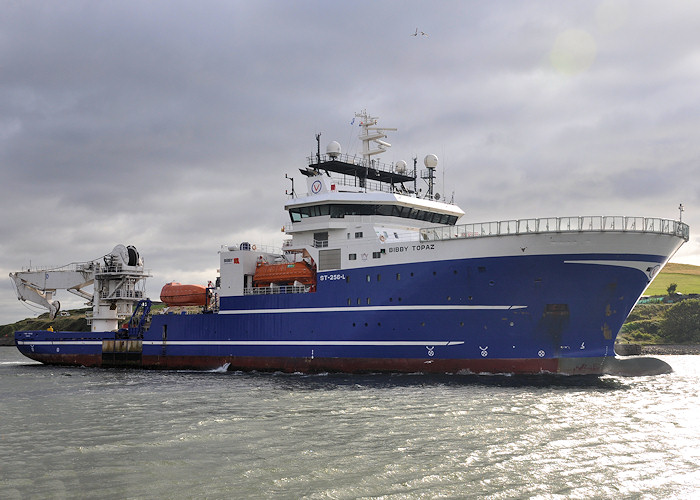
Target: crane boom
{"x":40,"y":286}
{"x":115,"y":278}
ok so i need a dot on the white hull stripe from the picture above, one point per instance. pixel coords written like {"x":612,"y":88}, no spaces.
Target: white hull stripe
{"x":60,"y":342}
{"x":260,"y":342}
{"x":648,"y":268}
{"x":312,"y":342}
{"x":367,"y":308}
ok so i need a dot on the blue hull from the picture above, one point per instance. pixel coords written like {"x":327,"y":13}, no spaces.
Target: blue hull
{"x":524,"y":314}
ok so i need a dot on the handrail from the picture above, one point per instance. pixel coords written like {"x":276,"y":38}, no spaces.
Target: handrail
{"x":558,"y":225}
{"x":275,"y":290}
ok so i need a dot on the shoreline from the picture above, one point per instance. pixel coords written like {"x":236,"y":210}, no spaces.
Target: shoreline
{"x":670,"y":349}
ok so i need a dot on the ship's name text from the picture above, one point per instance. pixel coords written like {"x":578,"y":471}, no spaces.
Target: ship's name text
{"x":413,"y":248}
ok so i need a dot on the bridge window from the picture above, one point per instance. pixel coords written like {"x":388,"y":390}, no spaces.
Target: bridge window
{"x":339,"y":211}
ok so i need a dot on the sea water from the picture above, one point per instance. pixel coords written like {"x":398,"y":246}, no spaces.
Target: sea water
{"x":110,"y":433}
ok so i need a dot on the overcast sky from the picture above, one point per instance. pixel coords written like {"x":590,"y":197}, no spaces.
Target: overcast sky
{"x":170,"y":125}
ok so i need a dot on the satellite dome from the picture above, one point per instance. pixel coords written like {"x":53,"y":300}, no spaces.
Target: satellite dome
{"x":333,"y":149}
{"x":431,"y":161}
{"x":400,"y":167}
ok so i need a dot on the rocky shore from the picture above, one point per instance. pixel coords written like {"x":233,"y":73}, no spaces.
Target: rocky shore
{"x":661,"y":349}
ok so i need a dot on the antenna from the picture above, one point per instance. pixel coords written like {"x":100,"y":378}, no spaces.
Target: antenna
{"x":291,"y":179}
{"x":681,"y":209}
{"x":318,"y":147}
{"x":415,"y":175}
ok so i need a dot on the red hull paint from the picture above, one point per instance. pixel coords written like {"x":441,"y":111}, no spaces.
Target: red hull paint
{"x":90,"y":360}
{"x":343,"y":365}
{"x":565,"y":366}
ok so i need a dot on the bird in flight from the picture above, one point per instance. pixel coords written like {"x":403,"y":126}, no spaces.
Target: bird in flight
{"x":422,"y":33}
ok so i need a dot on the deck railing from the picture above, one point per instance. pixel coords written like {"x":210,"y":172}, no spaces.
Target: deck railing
{"x":558,"y":225}
{"x":274,"y":290}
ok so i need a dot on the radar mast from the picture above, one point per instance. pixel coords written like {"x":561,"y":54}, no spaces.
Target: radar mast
{"x":371,"y":135}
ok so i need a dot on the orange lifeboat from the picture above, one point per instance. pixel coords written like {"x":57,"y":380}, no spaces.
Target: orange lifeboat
{"x":176,"y":294}
{"x":284,"y":274}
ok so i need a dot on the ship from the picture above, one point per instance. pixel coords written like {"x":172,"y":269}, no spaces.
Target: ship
{"x":378,"y":273}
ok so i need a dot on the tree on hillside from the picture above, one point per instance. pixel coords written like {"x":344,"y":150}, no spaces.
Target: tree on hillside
{"x":682,"y":322}
{"x":672,"y":288}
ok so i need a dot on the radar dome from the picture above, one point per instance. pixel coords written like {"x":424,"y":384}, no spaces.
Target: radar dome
{"x":333,"y":149}
{"x":400,"y":167}
{"x":431,"y":161}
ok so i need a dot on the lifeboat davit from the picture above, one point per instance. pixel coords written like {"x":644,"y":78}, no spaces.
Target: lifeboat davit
{"x":284,"y":274}
{"x":176,"y":294}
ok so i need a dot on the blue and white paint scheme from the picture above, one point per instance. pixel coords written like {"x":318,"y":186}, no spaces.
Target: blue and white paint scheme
{"x":400,"y":284}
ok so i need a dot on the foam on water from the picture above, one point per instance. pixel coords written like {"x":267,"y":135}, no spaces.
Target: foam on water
{"x":222,"y":369}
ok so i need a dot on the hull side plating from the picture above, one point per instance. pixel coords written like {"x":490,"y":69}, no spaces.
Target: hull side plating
{"x":523,"y":314}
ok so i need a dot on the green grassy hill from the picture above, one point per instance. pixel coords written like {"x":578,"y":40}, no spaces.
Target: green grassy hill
{"x":76,"y":322}
{"x":687,"y":278}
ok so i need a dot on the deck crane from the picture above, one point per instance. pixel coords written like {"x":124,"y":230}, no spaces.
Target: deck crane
{"x":116,"y":280}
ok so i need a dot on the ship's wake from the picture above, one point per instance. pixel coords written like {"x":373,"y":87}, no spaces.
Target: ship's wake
{"x":222,"y":369}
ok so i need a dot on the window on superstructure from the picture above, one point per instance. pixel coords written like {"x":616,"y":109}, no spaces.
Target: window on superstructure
{"x":321,"y":239}
{"x":352,"y":256}
{"x":358,"y":234}
{"x":376,"y":255}
{"x":339,"y":211}
{"x":387,"y":210}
